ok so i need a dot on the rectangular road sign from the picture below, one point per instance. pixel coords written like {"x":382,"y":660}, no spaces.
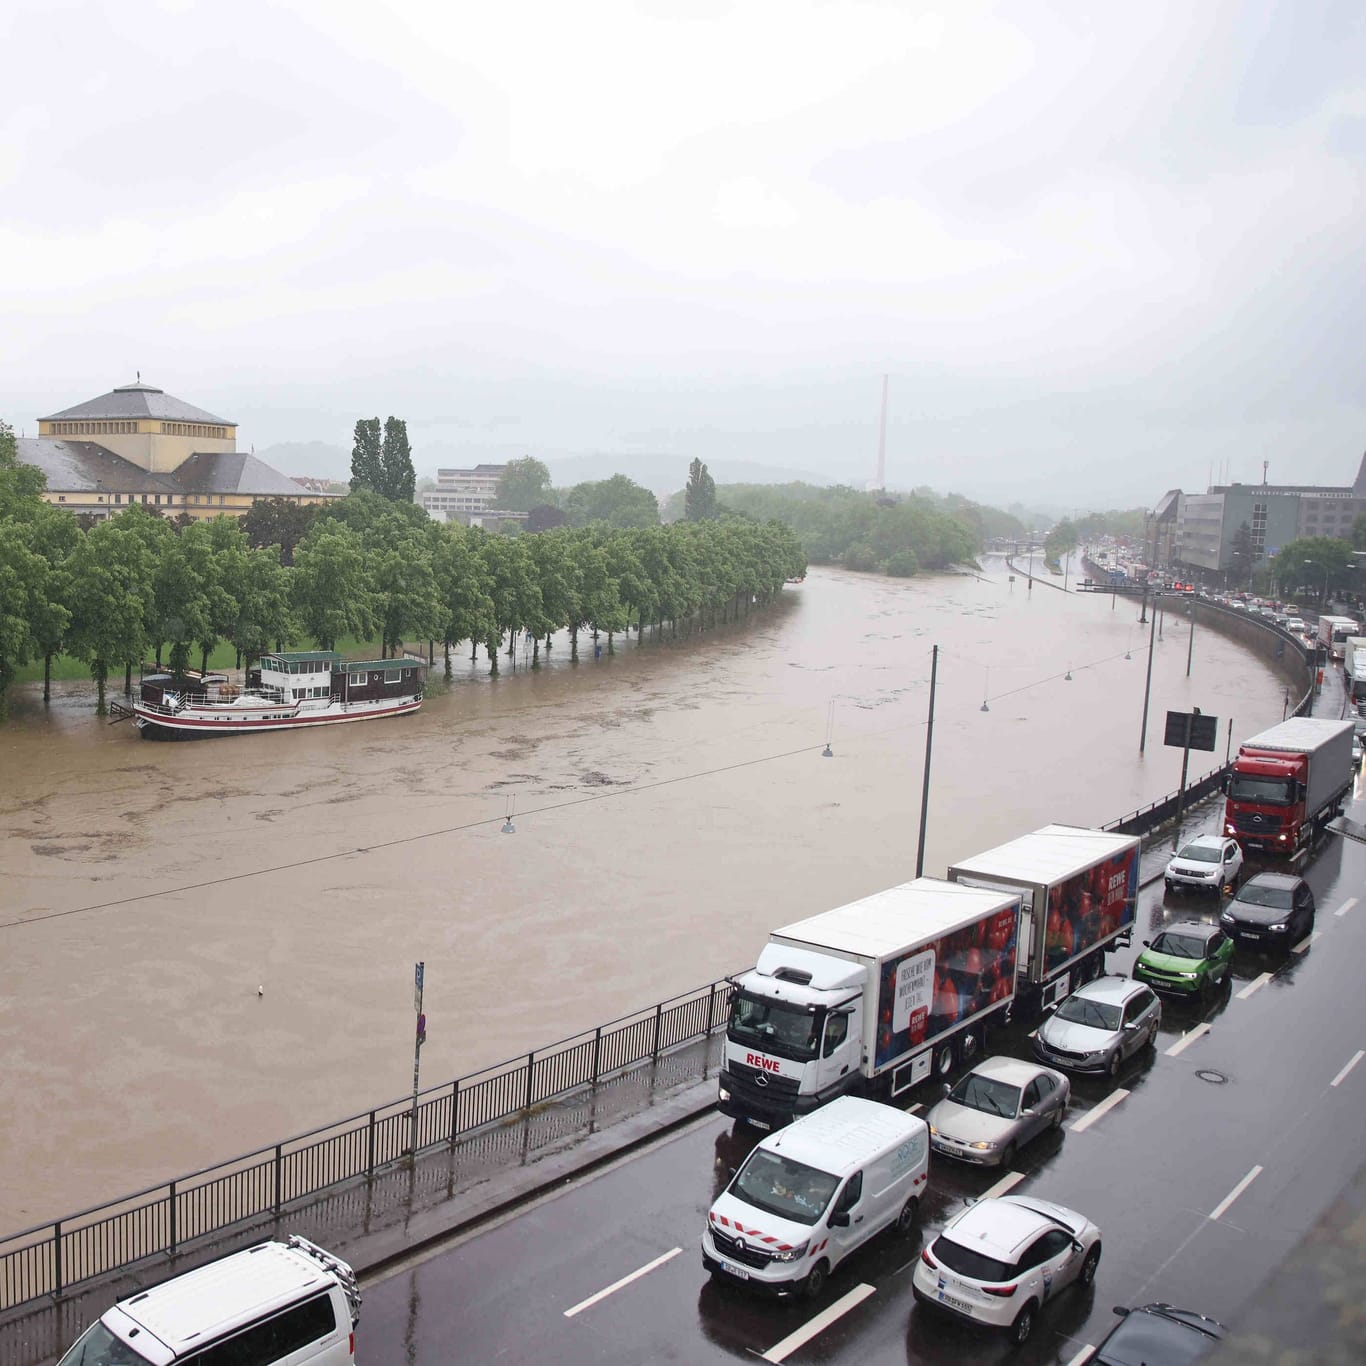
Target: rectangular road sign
{"x":418,"y":971}
{"x":1203,"y":730}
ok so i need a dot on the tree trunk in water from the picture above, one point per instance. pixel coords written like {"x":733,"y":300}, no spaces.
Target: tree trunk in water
{"x":474,"y":650}
{"x":447,"y":647}
{"x":610,"y":650}
{"x":47,"y":679}
{"x":128,"y":680}
{"x":101,"y":670}
{"x":574,"y":644}
{"x":536,"y":653}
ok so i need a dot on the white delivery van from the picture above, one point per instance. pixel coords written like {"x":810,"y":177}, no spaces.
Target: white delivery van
{"x":275,"y":1304}
{"x":811,"y":1193}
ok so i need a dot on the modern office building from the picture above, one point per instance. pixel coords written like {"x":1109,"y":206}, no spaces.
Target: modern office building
{"x":1207,"y":524}
{"x":463,"y":494}
{"x":139,"y":444}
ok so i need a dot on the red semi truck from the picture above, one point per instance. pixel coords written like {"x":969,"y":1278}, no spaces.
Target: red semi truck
{"x":1288,"y":783}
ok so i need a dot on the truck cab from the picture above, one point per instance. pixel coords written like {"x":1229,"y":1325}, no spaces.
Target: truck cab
{"x":794,"y":1035}
{"x":1265,"y":808}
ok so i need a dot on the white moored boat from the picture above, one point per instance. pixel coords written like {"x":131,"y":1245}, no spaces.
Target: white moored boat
{"x":286,"y":691}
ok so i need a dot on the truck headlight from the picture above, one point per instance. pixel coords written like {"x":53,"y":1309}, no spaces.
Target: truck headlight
{"x":793,"y":1254}
{"x":724,"y":1094}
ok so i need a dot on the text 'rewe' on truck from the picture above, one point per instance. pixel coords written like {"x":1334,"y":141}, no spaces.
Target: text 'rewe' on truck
{"x":868,"y":998}
{"x":1287,"y":783}
{"x":1079,"y":890}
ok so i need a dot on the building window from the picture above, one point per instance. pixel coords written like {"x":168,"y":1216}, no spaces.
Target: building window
{"x":61,"y":498}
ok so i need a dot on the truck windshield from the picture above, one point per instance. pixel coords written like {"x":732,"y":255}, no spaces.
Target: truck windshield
{"x":97,"y":1346}
{"x":1263,"y":791}
{"x":775,"y":1026}
{"x":789,"y":1189}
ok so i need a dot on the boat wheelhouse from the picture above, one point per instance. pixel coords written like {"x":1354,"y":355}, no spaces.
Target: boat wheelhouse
{"x":286,"y":690}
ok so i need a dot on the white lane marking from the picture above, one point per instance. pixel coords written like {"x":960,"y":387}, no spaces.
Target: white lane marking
{"x":624,"y":1281}
{"x":819,"y":1324}
{"x":1188,"y":1038}
{"x":1104,"y":1108}
{"x":1008,"y":1182}
{"x":1305,"y":943}
{"x":1256,"y":984}
{"x":916,"y":1108}
{"x":1346,"y":906}
{"x":1083,"y":1356}
{"x":1223,"y":1205}
{"x":1357,"y":1057}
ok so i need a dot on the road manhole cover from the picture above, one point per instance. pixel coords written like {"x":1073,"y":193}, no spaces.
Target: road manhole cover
{"x":1210,"y":1075}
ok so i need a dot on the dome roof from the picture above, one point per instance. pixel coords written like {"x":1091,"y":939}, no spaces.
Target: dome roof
{"x":139,"y":400}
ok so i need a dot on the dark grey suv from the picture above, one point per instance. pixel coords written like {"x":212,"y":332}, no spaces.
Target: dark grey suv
{"x":1271,"y":911}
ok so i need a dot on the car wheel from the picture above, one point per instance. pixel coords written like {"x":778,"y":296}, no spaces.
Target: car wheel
{"x":1112,"y":1065}
{"x":1058,"y":1115}
{"x":1088,"y":1267}
{"x":815,"y":1279}
{"x":1023,"y":1325}
{"x":905,"y":1221}
{"x":1008,"y":1155}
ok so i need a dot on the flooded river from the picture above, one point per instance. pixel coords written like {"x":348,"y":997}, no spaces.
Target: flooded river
{"x":672,"y":804}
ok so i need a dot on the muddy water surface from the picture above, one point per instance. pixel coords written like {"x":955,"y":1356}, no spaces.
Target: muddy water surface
{"x":672,"y":804}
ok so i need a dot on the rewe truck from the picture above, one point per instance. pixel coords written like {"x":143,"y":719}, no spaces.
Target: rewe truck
{"x":867,"y":999}
{"x":1287,"y":783}
{"x":1079,"y":889}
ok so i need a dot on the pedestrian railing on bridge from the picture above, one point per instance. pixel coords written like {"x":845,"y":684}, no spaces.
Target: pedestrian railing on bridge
{"x":51,"y":1258}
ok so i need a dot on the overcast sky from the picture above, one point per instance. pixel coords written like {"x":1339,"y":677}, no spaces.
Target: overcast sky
{"x":1100,"y":250}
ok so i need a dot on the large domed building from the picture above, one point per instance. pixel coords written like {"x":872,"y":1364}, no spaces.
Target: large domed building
{"x":139,"y":444}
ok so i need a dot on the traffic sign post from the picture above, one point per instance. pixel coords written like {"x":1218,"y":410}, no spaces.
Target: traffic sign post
{"x":1188,"y":730}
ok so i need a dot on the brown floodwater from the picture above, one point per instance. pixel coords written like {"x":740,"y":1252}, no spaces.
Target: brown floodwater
{"x":671,"y":802}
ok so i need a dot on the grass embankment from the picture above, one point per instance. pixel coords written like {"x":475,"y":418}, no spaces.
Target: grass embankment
{"x":65,"y":669}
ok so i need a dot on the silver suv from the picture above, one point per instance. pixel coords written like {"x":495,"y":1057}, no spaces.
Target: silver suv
{"x":1099,"y":1026}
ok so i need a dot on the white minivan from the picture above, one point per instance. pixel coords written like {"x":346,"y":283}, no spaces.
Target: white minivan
{"x":275,"y":1304}
{"x":811,"y":1193}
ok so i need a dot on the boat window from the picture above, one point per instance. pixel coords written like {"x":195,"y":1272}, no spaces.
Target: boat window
{"x":393,"y":675}
{"x":355,"y":680}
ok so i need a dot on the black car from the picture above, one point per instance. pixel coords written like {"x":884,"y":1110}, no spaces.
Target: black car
{"x":1157,"y":1335}
{"x":1271,"y":910}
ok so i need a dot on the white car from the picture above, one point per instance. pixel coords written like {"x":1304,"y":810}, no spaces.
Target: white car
{"x":1208,"y":863}
{"x":997,"y":1108}
{"x":1295,"y":625}
{"x":1001,"y":1259}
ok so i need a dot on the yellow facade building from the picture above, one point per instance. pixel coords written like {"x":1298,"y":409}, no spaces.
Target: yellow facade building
{"x":139,"y":444}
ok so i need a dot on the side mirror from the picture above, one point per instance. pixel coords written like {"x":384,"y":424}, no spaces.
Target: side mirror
{"x":947,"y":1088}
{"x":1076,"y":1245}
{"x":1121,"y":1311}
{"x":1147,"y":943}
{"x":840,"y":1219}
{"x":1029,"y":1112}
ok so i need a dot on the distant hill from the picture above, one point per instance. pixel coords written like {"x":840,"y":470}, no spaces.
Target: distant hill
{"x":312,"y":459}
{"x":661,"y":474}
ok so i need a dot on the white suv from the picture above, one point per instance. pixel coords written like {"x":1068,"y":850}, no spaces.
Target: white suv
{"x":1208,"y":863}
{"x":1001,"y":1259}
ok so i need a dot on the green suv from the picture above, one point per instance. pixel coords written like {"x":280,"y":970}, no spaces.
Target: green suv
{"x":1186,"y":957}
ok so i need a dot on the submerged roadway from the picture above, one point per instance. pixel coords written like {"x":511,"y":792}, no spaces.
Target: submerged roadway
{"x":1204,"y":1163}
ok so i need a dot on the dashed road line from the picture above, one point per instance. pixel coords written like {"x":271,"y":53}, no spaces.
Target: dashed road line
{"x":1253,"y":986}
{"x":916,"y":1108}
{"x":624,"y":1281}
{"x":1357,"y":1057}
{"x":1305,"y":943}
{"x":819,"y":1324}
{"x":1346,"y":906}
{"x":1104,"y":1108}
{"x":1188,"y":1038}
{"x":1008,"y":1182}
{"x":1223,"y":1205}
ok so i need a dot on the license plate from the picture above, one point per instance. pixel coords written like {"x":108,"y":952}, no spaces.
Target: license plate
{"x":954,"y":1304}
{"x":760,"y":1124}
{"x":1247,"y":935}
{"x":738,"y":1272}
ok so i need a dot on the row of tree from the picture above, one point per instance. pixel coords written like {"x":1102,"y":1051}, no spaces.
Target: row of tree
{"x":366,"y":567}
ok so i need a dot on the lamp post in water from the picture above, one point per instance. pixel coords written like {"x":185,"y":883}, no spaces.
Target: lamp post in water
{"x":929,"y":750}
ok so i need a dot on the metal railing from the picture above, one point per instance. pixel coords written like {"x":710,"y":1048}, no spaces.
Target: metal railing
{"x":51,"y":1258}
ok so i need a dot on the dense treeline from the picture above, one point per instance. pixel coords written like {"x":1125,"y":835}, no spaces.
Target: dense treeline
{"x":841,"y":525}
{"x":138,"y":585}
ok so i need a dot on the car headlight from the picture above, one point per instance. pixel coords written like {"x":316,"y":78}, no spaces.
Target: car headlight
{"x":793,"y":1254}
{"x":1281,"y":838}
{"x":1279,"y":928}
{"x":933,"y":1130}
{"x":1226,"y":918}
{"x":982,"y":1147}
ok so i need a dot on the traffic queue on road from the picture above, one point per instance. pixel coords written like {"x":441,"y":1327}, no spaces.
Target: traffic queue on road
{"x":855,"y":1003}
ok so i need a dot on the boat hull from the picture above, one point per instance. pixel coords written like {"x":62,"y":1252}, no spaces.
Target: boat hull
{"x":200,"y":723}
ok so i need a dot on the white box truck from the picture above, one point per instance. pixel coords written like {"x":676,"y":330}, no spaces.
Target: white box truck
{"x":1334,"y":632}
{"x":870,"y":997}
{"x":1079,"y":888}
{"x":1354,"y":666}
{"x":811,"y":1194}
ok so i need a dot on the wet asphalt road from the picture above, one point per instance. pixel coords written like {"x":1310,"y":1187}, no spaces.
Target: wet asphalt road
{"x":1262,"y":1102}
